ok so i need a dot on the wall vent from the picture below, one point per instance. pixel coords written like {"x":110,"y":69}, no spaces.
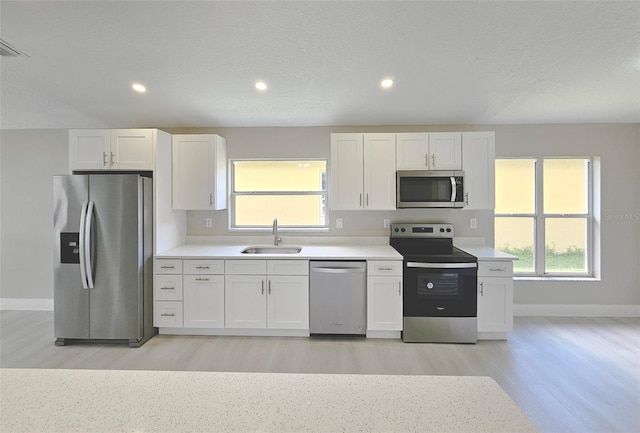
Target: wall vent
{"x":6,"y":50}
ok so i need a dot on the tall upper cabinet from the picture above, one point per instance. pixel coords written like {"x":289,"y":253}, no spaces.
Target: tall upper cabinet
{"x":478,"y":156}
{"x":199,"y":172}
{"x":363,"y":171}
{"x":111,"y":149}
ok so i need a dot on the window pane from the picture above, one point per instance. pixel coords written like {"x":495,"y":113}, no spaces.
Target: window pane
{"x":565,"y":245}
{"x":515,"y":186}
{"x":565,"y":185}
{"x":291,"y":210}
{"x":516,"y":236}
{"x":279,"y":175}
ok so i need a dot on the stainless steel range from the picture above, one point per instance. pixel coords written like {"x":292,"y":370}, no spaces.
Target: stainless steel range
{"x":440,"y":285}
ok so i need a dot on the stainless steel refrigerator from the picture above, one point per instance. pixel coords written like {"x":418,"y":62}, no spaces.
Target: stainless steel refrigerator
{"x":103,"y":228}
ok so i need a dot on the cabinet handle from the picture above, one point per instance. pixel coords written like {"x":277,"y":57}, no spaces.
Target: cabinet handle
{"x":399,"y":288}
{"x":269,"y":286}
{"x":202,"y":279}
{"x":202,"y":267}
{"x":433,"y":160}
{"x":497,"y":270}
{"x":481,"y":288}
{"x":113,"y":158}
{"x":263,"y":287}
{"x":167,"y":288}
{"x":382,"y":268}
{"x":104,"y":159}
{"x":168,"y":315}
{"x":367,"y":199}
{"x":426,"y":160}
{"x":360,"y":200}
{"x":210,"y":199}
{"x":466,"y":199}
{"x":167,"y":267}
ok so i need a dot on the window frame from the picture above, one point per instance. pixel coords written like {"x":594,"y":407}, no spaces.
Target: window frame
{"x":540,"y":217}
{"x":233,"y":194}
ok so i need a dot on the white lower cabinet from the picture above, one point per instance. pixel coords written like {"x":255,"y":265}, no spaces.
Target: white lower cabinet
{"x":495,"y":299}
{"x":167,"y":293}
{"x":384,"y":296}
{"x":256,"y":298}
{"x":203,"y":293}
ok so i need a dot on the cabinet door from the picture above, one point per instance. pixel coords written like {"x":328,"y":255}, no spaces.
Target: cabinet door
{"x":379,"y":171}
{"x":288,"y":302}
{"x":245,"y":301}
{"x":478,"y":162}
{"x":446,"y":150}
{"x":132,"y":149}
{"x":347,"y":186}
{"x":384,"y":303}
{"x":495,"y":304}
{"x":203,"y":301}
{"x":199,"y":172}
{"x":412,"y":151}
{"x":167,"y":314}
{"x":89,"y":149}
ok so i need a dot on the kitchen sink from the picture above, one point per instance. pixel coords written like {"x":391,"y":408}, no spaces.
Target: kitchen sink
{"x":272,"y":250}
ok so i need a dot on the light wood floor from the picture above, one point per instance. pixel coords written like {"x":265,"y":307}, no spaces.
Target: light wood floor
{"x":566,"y":374}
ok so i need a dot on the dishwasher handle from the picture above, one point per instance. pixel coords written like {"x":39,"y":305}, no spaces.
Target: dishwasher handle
{"x":338,"y":270}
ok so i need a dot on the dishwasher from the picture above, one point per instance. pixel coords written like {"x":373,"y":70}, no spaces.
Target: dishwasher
{"x":338,"y":297}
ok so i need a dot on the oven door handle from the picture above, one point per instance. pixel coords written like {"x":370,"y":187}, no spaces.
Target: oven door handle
{"x":441,"y":265}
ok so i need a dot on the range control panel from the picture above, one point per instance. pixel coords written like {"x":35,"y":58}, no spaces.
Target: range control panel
{"x":419,"y":230}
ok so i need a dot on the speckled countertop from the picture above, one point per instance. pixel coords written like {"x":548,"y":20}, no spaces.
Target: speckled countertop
{"x":34,"y":400}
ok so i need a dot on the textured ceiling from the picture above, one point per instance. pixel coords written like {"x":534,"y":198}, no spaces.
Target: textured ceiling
{"x":452,"y":62}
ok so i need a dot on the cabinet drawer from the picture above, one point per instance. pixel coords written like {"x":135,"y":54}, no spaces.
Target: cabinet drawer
{"x":495,"y":269}
{"x":245,"y":267}
{"x":288,"y":267}
{"x":384,"y":268}
{"x":167,"y":314}
{"x":203,"y":266}
{"x":167,"y":288}
{"x":167,"y":266}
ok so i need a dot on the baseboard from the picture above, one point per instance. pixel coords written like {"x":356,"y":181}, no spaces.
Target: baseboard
{"x":585,"y":310}
{"x":26,"y":304}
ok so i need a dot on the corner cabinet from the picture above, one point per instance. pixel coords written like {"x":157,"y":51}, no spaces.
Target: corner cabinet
{"x":112,"y":149}
{"x":363,"y":171}
{"x":495,"y":299}
{"x":478,"y":157}
{"x":384,"y":298}
{"x":199,"y":178}
{"x":429,"y":151}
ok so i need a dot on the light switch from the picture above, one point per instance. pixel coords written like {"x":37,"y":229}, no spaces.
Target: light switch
{"x":473,"y":223}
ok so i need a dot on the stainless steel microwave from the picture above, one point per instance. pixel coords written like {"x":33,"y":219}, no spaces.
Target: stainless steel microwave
{"x":423,"y":188}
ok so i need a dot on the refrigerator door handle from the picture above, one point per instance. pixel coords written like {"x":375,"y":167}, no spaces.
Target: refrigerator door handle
{"x":83,"y":267}
{"x":87,"y":245}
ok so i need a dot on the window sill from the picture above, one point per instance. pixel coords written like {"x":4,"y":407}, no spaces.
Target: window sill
{"x":557,"y":278}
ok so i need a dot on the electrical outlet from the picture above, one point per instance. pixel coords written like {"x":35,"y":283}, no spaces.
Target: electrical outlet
{"x":473,"y":223}
{"x":208,"y":222}
{"x":339,"y":223}
{"x":385,"y":223}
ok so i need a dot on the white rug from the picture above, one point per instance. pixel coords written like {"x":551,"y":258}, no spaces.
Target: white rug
{"x":34,"y":400}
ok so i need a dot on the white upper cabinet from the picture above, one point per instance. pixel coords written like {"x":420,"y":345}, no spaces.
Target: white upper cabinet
{"x":116,"y":149}
{"x":199,"y":172}
{"x":429,"y":151}
{"x":478,"y":156}
{"x":363,"y":171}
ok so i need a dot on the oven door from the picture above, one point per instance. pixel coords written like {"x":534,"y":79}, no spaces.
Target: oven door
{"x":440,"y":289}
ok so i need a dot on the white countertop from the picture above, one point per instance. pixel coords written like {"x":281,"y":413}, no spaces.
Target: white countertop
{"x":316,"y":252}
{"x":35,"y":400}
{"x":488,"y":253}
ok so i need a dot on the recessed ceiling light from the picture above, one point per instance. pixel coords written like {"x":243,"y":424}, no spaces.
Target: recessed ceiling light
{"x":386,"y":83}
{"x":139,"y":88}
{"x":261,"y":85}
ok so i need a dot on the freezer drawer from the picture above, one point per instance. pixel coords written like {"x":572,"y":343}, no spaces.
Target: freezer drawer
{"x":337,"y":297}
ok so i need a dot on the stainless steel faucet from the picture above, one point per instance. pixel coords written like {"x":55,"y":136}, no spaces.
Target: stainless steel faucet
{"x":274,"y":231}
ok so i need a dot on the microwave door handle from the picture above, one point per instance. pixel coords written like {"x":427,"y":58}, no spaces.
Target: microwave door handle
{"x":453,"y":189}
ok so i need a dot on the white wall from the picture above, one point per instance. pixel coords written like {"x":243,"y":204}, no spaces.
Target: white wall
{"x":30,"y":158}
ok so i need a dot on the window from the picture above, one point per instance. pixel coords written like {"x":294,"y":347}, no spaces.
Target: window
{"x":544,"y":215}
{"x":295,"y":192}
